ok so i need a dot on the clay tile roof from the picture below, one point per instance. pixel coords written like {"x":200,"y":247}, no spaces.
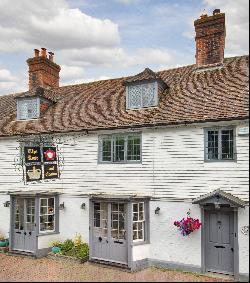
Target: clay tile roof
{"x":216,"y":94}
{"x":147,"y":74}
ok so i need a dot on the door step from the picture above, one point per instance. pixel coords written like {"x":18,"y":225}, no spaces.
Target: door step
{"x":22,"y":254}
{"x":110,"y":264}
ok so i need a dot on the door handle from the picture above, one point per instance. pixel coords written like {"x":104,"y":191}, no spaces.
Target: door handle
{"x":232,"y":249}
{"x":25,"y":233}
{"x":219,"y":247}
{"x":30,"y":233}
{"x":100,"y":239}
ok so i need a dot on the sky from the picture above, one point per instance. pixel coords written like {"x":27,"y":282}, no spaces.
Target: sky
{"x":102,"y":39}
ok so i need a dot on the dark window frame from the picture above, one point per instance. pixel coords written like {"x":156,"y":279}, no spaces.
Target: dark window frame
{"x":220,"y":130}
{"x":113,"y":155}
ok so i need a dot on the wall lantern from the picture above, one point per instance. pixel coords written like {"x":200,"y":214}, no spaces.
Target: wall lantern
{"x":217,"y":203}
{"x":157,"y":210}
{"x":83,"y":205}
{"x":6,"y":204}
{"x":61,"y":206}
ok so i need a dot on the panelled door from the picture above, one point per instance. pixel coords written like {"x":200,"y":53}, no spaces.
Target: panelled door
{"x":219,"y":233}
{"x":109,"y":222}
{"x":24,"y":234}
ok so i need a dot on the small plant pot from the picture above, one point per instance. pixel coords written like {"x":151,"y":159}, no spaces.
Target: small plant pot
{"x":4,"y":243}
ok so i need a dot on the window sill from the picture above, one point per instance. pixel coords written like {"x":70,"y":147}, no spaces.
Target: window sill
{"x":47,"y":234}
{"x":220,"y":161}
{"x":122,"y":162}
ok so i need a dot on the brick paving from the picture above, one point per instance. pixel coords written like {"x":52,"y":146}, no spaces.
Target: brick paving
{"x":18,"y":269}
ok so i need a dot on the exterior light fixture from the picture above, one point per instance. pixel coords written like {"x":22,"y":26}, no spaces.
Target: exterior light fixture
{"x":6,"y":204}
{"x":83,"y":205}
{"x":157,"y":210}
{"x":217,"y":203}
{"x":61,"y":206}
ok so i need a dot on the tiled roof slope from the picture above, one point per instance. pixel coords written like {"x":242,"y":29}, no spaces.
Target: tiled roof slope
{"x":213,"y":95}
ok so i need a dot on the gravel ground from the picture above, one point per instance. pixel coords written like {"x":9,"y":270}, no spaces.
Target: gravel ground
{"x":13,"y":268}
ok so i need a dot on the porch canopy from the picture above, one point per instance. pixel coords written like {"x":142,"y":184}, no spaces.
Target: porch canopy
{"x":32,"y":193}
{"x":219,"y":198}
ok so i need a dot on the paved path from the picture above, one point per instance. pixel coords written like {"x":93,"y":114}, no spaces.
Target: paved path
{"x":20,"y":269}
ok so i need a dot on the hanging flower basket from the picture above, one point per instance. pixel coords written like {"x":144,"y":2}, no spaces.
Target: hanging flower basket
{"x":188,"y":225}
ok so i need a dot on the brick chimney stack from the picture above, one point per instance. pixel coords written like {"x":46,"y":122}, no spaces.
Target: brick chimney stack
{"x":43,"y":72}
{"x":210,"y":39}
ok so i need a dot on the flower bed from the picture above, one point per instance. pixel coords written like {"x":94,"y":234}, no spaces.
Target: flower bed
{"x":75,"y":250}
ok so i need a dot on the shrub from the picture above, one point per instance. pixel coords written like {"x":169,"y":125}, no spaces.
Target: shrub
{"x":67,"y":246}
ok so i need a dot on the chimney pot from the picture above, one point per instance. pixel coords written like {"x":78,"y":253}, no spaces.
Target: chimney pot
{"x":51,"y":56}
{"x":37,"y":52}
{"x":44,"y":52}
{"x":216,"y":11}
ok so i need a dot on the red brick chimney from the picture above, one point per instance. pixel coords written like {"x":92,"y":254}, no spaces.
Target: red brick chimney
{"x":210,"y":38}
{"x":43,"y":72}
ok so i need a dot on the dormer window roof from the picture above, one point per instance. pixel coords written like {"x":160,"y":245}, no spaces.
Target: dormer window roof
{"x":30,"y":105}
{"x":142,"y":90}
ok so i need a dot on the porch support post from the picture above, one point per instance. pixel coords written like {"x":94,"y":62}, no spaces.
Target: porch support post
{"x":129,"y":234}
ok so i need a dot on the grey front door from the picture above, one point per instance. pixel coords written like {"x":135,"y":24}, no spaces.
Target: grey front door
{"x":109,"y":222}
{"x":219,"y":235}
{"x":23,"y":225}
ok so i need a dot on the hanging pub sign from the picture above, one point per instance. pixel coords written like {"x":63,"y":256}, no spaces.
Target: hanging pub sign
{"x":33,"y":173}
{"x":40,"y":163}
{"x":50,"y":171}
{"x":32,"y":154}
{"x":49,"y":154}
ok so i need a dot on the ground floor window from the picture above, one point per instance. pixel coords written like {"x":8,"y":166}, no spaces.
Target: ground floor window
{"x":47,"y":215}
{"x":139,"y":222}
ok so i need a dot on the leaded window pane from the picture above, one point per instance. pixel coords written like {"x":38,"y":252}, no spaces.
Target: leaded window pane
{"x":138,"y":222}
{"x":107,"y":149}
{"x":227,"y":144}
{"x":220,"y":144}
{"x":213,"y":145}
{"x":134,"y":148}
{"x":28,"y":108}
{"x":142,"y":95}
{"x":135,"y":96}
{"x":119,"y":146}
{"x":148,"y":95}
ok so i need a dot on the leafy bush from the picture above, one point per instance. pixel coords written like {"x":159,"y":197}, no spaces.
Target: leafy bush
{"x":67,"y":246}
{"x":75,"y":248}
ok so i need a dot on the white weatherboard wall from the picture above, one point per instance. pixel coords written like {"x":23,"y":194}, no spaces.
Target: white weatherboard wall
{"x":167,"y":243}
{"x":172,"y":167}
{"x":243,"y":220}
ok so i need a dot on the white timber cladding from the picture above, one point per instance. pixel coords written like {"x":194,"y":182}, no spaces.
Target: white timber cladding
{"x":172,"y":167}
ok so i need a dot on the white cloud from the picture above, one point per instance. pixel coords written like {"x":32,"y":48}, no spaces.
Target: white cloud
{"x":10,"y":83}
{"x":53,"y":24}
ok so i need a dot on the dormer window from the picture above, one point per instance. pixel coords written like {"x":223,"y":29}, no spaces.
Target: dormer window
{"x":32,"y":104}
{"x":28,"y":108}
{"x":142,"y":95}
{"x":142,"y":90}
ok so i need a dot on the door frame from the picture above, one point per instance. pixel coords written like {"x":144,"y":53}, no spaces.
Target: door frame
{"x":128,"y":200}
{"x":203,"y":237}
{"x":12,"y":221}
{"x":128,"y":225}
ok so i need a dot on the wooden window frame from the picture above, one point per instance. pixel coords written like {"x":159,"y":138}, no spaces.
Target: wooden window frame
{"x":54,"y":214}
{"x":219,"y":130}
{"x":113,"y":137}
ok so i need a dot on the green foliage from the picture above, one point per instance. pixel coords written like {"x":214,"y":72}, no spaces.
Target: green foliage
{"x":75,"y":248}
{"x":67,"y":246}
